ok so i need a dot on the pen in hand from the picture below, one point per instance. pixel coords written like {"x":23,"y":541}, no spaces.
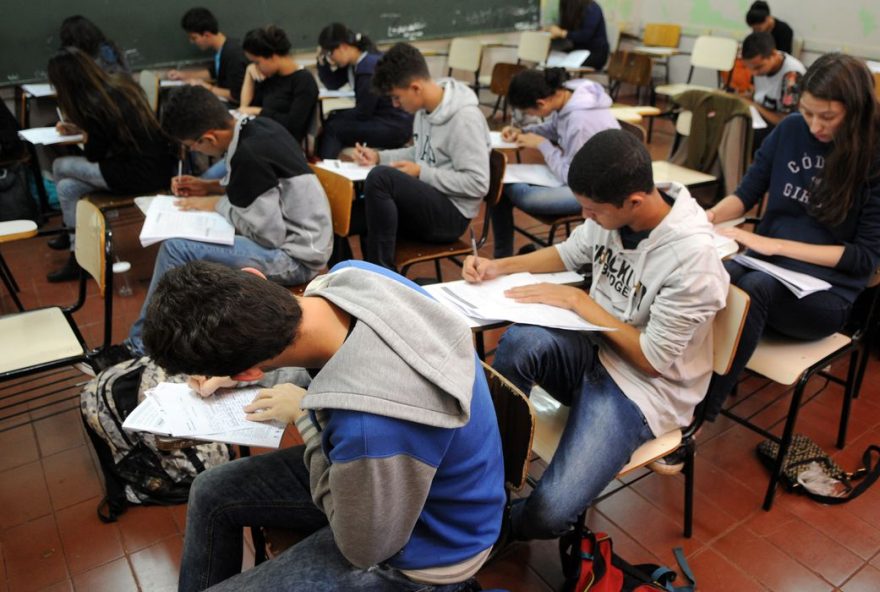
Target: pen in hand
{"x":474,"y":243}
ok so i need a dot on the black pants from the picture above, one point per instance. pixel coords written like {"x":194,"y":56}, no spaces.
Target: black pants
{"x":397,"y":204}
{"x":342,"y":129}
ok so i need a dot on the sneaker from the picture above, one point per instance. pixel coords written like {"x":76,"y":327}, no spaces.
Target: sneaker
{"x":670,"y":464}
{"x":71,"y":271}
{"x":111,"y":356}
{"x":60,"y":242}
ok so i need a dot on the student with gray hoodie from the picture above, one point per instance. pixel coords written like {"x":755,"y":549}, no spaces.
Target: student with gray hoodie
{"x":270,"y":195}
{"x":400,"y":483}
{"x":573,"y":112}
{"x":657,"y":281}
{"x":433,"y":189}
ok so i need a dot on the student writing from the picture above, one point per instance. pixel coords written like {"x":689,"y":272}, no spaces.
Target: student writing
{"x":582,"y":26}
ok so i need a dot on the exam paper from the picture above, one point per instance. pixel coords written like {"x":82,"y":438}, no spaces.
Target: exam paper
{"x":500,"y":144}
{"x":572,"y":59}
{"x":47,"y":136}
{"x":325,"y":93}
{"x":38,"y":90}
{"x":351,"y":170}
{"x":165,"y":220}
{"x":800,"y":284}
{"x":757,"y":121}
{"x":533,"y":174}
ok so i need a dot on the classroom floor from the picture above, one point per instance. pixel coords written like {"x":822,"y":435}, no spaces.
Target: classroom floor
{"x":51,"y":539}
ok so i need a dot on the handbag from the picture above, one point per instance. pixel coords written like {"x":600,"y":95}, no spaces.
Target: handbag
{"x":810,"y":470}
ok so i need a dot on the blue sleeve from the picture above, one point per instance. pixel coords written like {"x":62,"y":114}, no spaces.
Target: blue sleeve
{"x":861,"y":255}
{"x":332,"y":79}
{"x":757,"y":179}
{"x":589,"y":25}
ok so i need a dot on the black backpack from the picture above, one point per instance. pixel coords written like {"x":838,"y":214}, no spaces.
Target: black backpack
{"x":139,"y":467}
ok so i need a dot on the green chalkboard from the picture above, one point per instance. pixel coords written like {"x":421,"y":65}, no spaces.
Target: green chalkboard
{"x":149,"y":32}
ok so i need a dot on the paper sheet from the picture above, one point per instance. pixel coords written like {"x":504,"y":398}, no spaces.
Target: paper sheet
{"x":171,"y":83}
{"x":533,"y":174}
{"x":874,"y":66}
{"x":757,"y":121}
{"x":326,"y":93}
{"x":500,"y":144}
{"x":165,"y":220}
{"x":572,"y":59}
{"x":47,"y":136}
{"x":38,"y":90}
{"x":351,"y":170}
{"x":800,"y":284}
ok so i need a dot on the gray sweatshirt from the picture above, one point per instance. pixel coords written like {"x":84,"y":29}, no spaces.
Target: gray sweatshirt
{"x":669,"y":287}
{"x":451,"y":144}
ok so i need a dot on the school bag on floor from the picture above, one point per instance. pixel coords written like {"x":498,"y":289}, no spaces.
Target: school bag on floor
{"x":139,"y":467}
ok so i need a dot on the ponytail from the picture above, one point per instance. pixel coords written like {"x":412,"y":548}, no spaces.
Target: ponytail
{"x":335,"y":34}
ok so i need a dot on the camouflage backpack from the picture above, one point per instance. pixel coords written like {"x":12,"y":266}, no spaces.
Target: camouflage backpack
{"x":139,"y":467}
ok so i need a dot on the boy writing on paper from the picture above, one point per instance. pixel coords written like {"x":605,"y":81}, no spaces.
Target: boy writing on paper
{"x":400,"y":483}
{"x":657,"y":281}
{"x":433,"y":189}
{"x":276,"y":204}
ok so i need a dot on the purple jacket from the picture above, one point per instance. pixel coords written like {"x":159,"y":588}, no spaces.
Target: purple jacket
{"x":586,"y":113}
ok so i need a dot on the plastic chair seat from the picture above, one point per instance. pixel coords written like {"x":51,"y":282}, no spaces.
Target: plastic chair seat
{"x":37,"y":337}
{"x":14,"y":230}
{"x":674,"y":89}
{"x":784,"y":360}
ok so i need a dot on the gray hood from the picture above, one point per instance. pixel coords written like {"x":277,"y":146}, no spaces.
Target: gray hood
{"x":408,"y":356}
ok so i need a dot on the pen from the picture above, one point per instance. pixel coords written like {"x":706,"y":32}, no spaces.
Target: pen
{"x":474,"y":243}
{"x":60,"y":116}
{"x":180,"y":168}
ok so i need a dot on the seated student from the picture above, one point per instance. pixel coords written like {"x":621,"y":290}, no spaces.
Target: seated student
{"x":658,"y":281}
{"x":229,"y":62}
{"x":400,"y":483}
{"x":350,"y":58}
{"x":125,"y":150}
{"x":573,"y":112}
{"x":761,"y":21}
{"x":276,"y":204}
{"x":79,"y":32}
{"x":821,"y":171}
{"x":275,"y":86}
{"x":582,"y":26}
{"x":433,"y":189}
{"x":777,"y":78}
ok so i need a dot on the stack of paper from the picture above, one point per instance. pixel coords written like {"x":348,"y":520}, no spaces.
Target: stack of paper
{"x":47,"y":136}
{"x":486,"y":302}
{"x":165,"y":220}
{"x":533,"y":174}
{"x":572,"y":59}
{"x":174,"y":409}
{"x":351,"y":170}
{"x":499,"y":143}
{"x":800,"y":284}
{"x":40,"y":89}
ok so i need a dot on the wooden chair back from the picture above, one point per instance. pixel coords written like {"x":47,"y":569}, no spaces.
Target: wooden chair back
{"x":340,"y":193}
{"x":516,"y":424}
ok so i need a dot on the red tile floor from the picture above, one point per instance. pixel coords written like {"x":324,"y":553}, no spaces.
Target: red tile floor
{"x":51,"y":539}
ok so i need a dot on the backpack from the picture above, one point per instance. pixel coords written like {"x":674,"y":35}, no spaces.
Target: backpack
{"x":16,"y":201}
{"x":590,"y":565}
{"x":139,"y":467}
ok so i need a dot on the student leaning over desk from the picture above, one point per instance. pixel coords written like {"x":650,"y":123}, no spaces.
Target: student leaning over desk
{"x":125,"y":150}
{"x":79,"y":32}
{"x":276,"y":204}
{"x":349,"y":57}
{"x":821,"y":171}
{"x":400,"y":482}
{"x":434,"y":188}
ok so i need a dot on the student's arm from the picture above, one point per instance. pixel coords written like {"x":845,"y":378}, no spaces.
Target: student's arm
{"x":231,"y":77}
{"x":770,"y":116}
{"x":301,"y":108}
{"x":398,"y":154}
{"x":546,"y":260}
{"x":97,"y":143}
{"x":332,"y":79}
{"x":558,"y":161}
{"x":546,"y":128}
{"x":248,"y":86}
{"x":469,"y":176}
{"x":199,"y":74}
{"x":262,"y":221}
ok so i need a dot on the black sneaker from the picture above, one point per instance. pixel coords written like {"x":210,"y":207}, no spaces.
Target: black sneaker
{"x":111,"y":356}
{"x":670,"y":464}
{"x":60,"y":242}
{"x":71,"y":271}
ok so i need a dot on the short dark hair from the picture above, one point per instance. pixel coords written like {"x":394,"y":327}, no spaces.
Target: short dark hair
{"x":209,"y":319}
{"x":758,"y":44}
{"x":266,"y":42}
{"x":610,"y":167}
{"x":398,"y":67}
{"x":335,"y":34}
{"x":190,"y":111}
{"x":758,"y":13}
{"x":199,"y":20}
{"x":530,"y":85}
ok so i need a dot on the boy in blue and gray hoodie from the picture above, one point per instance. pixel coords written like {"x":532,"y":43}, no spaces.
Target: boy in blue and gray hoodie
{"x":433,"y":189}
{"x":400,"y":482}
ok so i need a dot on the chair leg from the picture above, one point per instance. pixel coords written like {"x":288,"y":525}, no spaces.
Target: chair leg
{"x":259,"y":545}
{"x":864,"y":356}
{"x":690,"y":449}
{"x":785,"y":443}
{"x":9,"y":282}
{"x":848,"y":392}
{"x":496,"y":107}
{"x":438,"y":271}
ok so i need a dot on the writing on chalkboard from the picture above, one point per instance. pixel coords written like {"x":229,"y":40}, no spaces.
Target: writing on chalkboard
{"x":410,"y":31}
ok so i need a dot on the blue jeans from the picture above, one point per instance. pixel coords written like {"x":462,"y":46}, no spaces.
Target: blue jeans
{"x":277,"y":265}
{"x":270,"y":490}
{"x":532,"y":199}
{"x":773,"y":305}
{"x":75,"y":176}
{"x":604,"y":427}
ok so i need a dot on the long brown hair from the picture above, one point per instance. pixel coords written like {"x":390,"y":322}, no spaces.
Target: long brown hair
{"x":571,"y":13}
{"x":853,"y":158}
{"x":87,"y":95}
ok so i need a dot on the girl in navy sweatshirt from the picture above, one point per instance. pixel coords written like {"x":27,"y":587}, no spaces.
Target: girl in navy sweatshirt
{"x":350,"y":58}
{"x":821,"y":170}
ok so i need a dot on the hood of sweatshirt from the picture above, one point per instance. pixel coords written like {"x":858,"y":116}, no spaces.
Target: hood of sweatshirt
{"x":456,"y":94}
{"x":586,"y":95}
{"x":408,"y":356}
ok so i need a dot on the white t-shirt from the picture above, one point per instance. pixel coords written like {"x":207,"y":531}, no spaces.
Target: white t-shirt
{"x":777,"y":92}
